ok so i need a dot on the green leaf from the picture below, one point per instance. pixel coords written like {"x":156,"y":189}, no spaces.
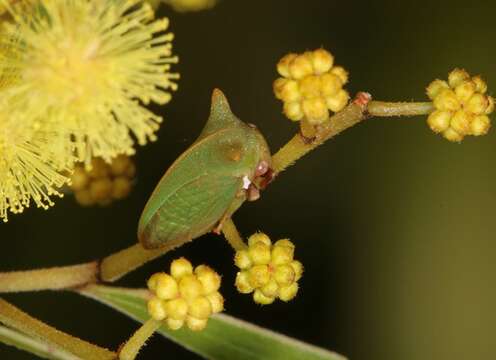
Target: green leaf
{"x":225,"y":337}
{"x":33,"y":345}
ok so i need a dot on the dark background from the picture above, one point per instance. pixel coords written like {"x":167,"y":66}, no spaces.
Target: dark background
{"x":394,"y":224}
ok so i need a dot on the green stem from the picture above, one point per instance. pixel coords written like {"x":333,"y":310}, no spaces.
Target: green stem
{"x":20,"y":321}
{"x":34,"y":346}
{"x":232,"y":235}
{"x":132,"y":347}
{"x":49,"y":279}
{"x":382,"y":108}
{"x":115,"y":266}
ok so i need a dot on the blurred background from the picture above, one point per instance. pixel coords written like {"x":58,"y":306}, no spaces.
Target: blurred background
{"x":394,"y":224}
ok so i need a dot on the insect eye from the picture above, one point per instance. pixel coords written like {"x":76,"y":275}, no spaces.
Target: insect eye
{"x":262,"y":168}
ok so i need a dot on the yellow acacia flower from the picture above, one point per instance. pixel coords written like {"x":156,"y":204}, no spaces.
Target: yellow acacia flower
{"x":27,"y":171}
{"x":268,"y":270}
{"x":186,"y":296}
{"x":311,"y":86}
{"x":461,"y":104}
{"x":87,"y":67}
{"x":190,"y":5}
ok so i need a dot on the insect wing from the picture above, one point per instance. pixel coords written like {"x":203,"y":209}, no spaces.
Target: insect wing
{"x":192,"y":210}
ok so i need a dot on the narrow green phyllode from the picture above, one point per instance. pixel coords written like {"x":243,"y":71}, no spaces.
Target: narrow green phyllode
{"x":208,"y":182}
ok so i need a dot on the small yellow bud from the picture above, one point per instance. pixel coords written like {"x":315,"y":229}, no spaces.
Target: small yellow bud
{"x":300,"y":66}
{"x":166,"y":287}
{"x":242,"y":259}
{"x":330,"y":84}
{"x":259,"y":275}
{"x":284,"y":275}
{"x":259,"y":237}
{"x":200,"y":308}
{"x":176,"y":309}
{"x":480,"y":85}
{"x":119,"y":165}
{"x":216,"y":302}
{"x":490,"y":107}
{"x":156,"y":308}
{"x":456,"y":77}
{"x":190,"y":287}
{"x":259,"y":253}
{"x":84,"y":198}
{"x":297,"y":268}
{"x":174,"y":324}
{"x":270,"y":289}
{"x":341,"y":73}
{"x":284,"y":242}
{"x":480,"y":125}
{"x":121,"y":187}
{"x":283,"y":64}
{"x":287,"y":293}
{"x":100,"y":189}
{"x":338,"y":102}
{"x":452,"y":135}
{"x":278,"y":86}
{"x":460,"y":122}
{"x":209,"y":279}
{"x":130,"y":170}
{"x":196,"y":324}
{"x":439,"y":120}
{"x":435,"y":88}
{"x":478,"y":104}
{"x":98,"y":168}
{"x":181,"y":267}
{"x":152,"y":281}
{"x":282,"y":254}
{"x":261,"y":299}
{"x":322,"y":61}
{"x":79,"y":179}
{"x":315,"y":110}
{"x":465,"y":90}
{"x":293,"y":111}
{"x":243,"y":282}
{"x":447,"y":100}
{"x":290,"y":91}
{"x":310,"y":86}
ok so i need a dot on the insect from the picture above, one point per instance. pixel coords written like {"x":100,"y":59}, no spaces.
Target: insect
{"x":208,"y":182}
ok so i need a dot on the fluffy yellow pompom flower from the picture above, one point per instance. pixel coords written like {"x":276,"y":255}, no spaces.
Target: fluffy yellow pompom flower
{"x":87,"y":67}
{"x":186,"y":296}
{"x":310,"y":86}
{"x":188,"y":5}
{"x":27,"y":170}
{"x":461,"y":106}
{"x":268,"y":271}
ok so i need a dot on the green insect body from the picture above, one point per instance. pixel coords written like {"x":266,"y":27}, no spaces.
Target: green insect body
{"x":207,"y":183}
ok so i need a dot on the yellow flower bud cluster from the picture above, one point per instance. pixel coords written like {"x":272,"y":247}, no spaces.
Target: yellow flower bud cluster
{"x":185,"y":296}
{"x":461,"y":106}
{"x":103,"y":183}
{"x":267,"y":270}
{"x":310,"y":86}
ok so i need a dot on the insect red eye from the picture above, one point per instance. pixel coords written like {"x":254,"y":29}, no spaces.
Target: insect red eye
{"x":262,"y":168}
